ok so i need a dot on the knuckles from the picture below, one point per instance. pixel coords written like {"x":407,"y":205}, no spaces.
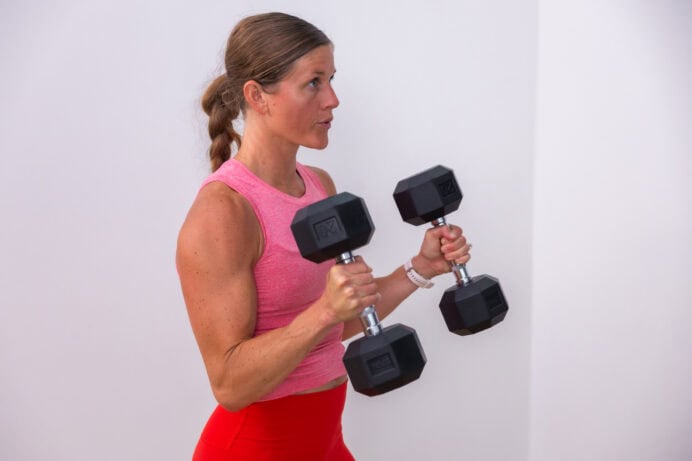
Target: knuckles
{"x":350,"y":289}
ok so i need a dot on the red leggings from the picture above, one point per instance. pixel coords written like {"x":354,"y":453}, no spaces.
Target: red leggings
{"x":304,"y":427}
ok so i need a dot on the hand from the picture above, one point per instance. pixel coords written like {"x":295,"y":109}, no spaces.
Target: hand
{"x":441,"y":246}
{"x":350,"y":289}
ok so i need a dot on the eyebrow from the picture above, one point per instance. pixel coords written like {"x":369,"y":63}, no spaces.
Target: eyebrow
{"x":321,"y":72}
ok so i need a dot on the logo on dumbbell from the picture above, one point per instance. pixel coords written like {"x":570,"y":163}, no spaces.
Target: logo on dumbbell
{"x":327,"y":228}
{"x":381,"y":364}
{"x":447,"y":188}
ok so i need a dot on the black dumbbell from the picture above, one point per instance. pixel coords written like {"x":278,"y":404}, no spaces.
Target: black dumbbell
{"x":385,"y":358}
{"x":474,"y":304}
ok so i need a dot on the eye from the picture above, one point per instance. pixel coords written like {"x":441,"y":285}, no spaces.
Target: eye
{"x":315,"y":82}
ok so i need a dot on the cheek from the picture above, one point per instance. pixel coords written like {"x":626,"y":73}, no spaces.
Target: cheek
{"x":300,"y":117}
{"x":297,"y":113}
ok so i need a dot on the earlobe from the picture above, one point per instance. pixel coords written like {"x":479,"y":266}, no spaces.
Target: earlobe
{"x":255,"y":96}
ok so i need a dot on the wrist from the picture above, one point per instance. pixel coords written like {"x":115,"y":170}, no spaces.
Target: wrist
{"x":423,"y":267}
{"x":415,"y":277}
{"x":323,"y":315}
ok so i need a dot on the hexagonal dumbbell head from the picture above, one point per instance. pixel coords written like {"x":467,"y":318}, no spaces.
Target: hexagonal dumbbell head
{"x":332,"y":226}
{"x":427,"y":196}
{"x":473,"y":307}
{"x":384,"y":362}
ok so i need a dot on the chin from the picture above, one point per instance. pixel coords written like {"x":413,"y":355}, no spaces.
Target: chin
{"x":318,"y":145}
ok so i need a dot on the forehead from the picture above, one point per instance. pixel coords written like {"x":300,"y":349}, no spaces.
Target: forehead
{"x":318,"y":61}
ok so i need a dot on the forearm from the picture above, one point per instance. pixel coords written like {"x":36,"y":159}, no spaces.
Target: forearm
{"x":256,"y":366}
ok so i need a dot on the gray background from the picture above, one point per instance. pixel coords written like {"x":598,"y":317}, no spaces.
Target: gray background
{"x":567,"y":124}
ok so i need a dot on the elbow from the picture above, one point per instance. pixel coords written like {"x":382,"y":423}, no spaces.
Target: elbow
{"x":229,"y":399}
{"x":232,"y":407}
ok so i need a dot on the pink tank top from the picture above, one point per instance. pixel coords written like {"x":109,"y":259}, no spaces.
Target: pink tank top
{"x":287,"y":284}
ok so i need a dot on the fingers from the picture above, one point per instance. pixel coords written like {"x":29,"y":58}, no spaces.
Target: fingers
{"x":356,"y":285}
{"x":460,"y":255}
{"x":453,"y":244}
{"x":358,"y":272}
{"x":361,"y":281}
{"x":351,"y":288}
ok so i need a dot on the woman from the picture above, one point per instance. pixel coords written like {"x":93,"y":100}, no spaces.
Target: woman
{"x":268,"y":323}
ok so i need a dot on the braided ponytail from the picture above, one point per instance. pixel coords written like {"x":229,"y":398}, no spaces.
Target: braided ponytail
{"x":222,"y":110}
{"x":261,"y":48}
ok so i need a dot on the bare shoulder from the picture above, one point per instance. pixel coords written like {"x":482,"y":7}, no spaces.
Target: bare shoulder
{"x":326,"y":180}
{"x":220,"y":223}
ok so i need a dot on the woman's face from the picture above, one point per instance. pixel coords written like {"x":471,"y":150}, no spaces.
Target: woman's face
{"x":300,"y":105}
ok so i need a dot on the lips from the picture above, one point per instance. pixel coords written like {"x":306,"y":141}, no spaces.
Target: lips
{"x":326,"y":123}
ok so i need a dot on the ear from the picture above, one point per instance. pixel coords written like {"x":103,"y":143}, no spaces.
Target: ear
{"x":255,"y":96}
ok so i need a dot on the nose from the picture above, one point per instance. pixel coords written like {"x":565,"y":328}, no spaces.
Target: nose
{"x":331,"y":100}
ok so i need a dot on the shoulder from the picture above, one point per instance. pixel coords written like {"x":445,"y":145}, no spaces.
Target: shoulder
{"x":325,"y":179}
{"x":218,"y":204}
{"x":220,"y":223}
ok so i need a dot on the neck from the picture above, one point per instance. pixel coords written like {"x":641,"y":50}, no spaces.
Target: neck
{"x":274,"y":163}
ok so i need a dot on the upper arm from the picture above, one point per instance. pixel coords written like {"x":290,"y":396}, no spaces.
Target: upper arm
{"x":325,"y":179}
{"x":218,"y":246}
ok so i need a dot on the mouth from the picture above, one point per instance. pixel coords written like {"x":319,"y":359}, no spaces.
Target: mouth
{"x":326,"y":123}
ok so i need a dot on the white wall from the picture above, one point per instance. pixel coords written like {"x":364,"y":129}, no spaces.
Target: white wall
{"x":611,"y":337}
{"x":102,"y":150}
